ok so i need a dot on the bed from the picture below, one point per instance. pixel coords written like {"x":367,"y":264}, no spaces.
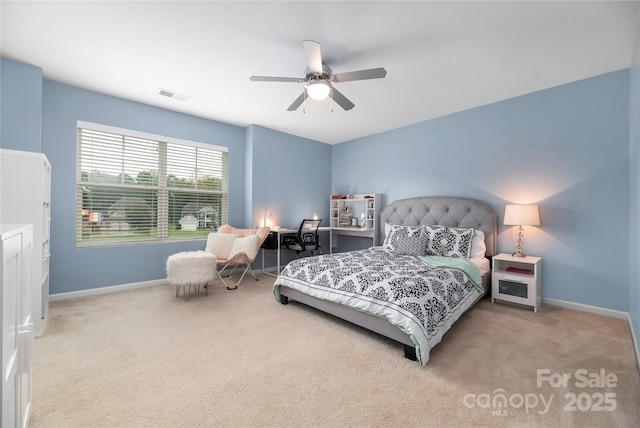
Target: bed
{"x":391,"y":289}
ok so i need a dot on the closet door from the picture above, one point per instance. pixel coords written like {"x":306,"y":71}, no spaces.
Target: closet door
{"x":25,"y":331}
{"x":11,"y":249}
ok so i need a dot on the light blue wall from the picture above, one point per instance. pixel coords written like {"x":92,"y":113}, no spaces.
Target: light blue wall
{"x":291,"y":178}
{"x":74,"y":268}
{"x":634,"y":192}
{"x":290,"y":175}
{"x":564,"y":148}
{"x":20,"y":106}
{"x":248,"y":179}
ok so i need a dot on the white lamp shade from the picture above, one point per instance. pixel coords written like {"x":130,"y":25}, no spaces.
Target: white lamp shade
{"x":526,"y":215}
{"x":318,"y":90}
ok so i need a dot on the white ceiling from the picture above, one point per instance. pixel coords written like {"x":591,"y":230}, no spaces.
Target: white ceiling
{"x":441,"y":57}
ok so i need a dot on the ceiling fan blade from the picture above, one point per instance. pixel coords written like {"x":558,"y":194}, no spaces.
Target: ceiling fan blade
{"x":294,"y":106}
{"x":313,"y":55}
{"x":372,"y":73}
{"x":275,"y":79}
{"x":340,"y":99}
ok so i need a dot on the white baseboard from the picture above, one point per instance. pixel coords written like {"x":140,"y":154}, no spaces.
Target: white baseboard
{"x":586,"y":308}
{"x":123,"y":287}
{"x":105,"y":290}
{"x":636,"y":344}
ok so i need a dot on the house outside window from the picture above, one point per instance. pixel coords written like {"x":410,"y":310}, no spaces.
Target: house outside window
{"x":135,"y":187}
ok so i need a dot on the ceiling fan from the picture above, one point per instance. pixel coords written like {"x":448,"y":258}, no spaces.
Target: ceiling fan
{"x":318,"y":79}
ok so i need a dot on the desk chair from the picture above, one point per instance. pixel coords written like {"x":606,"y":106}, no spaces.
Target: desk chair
{"x":306,"y":239}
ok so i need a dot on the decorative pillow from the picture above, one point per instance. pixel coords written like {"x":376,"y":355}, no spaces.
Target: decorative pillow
{"x":478,"y":246}
{"x":387,"y":229}
{"x":449,"y":241}
{"x":411,"y":246}
{"x":247,"y":245}
{"x":220,"y":244}
{"x":397,"y":232}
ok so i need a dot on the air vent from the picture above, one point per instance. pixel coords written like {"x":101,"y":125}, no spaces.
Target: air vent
{"x":174,"y":95}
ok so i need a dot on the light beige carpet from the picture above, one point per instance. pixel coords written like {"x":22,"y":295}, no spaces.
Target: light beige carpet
{"x":144,"y":358}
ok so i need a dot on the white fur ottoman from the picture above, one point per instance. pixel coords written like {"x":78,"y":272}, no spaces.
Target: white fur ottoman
{"x":191,"y":269}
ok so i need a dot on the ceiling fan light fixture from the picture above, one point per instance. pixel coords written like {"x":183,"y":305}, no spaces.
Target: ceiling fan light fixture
{"x":318,"y":90}
{"x":318,"y":78}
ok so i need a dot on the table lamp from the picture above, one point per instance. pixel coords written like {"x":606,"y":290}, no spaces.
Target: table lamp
{"x":521,"y":215}
{"x":267,"y":213}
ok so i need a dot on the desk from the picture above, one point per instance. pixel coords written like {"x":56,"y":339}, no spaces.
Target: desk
{"x":291,"y":230}
{"x":287,"y":231}
{"x":351,"y":231}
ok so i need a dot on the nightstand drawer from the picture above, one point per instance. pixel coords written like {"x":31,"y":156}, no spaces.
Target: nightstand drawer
{"x":512,"y":288}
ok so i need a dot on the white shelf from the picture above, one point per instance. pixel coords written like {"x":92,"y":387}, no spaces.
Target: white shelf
{"x":343,"y":210}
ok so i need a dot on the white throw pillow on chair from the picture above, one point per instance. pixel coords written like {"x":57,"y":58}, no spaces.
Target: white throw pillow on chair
{"x":220,"y":244}
{"x":247,"y":245}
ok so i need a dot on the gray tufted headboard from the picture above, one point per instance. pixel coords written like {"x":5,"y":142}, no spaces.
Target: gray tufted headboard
{"x":444,"y":211}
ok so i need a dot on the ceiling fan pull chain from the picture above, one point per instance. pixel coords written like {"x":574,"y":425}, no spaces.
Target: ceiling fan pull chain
{"x":331,"y":102}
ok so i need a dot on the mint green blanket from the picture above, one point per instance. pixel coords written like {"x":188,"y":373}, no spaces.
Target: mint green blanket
{"x":456,"y":263}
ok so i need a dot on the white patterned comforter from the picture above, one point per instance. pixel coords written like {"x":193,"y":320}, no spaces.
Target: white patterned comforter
{"x":421,"y":300}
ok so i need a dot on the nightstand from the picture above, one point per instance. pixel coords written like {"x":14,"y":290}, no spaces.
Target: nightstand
{"x":517,"y":280}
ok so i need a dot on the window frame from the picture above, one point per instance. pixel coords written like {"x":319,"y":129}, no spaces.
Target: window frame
{"x":159,"y":192}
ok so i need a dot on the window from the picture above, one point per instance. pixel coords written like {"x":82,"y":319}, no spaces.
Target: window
{"x":134,"y":187}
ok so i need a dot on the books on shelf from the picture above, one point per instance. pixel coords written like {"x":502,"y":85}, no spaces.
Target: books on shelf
{"x":519,"y":270}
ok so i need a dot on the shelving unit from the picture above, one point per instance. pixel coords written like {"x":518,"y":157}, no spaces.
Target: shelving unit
{"x":517,"y":280}
{"x":344,"y":209}
{"x":26,"y":199}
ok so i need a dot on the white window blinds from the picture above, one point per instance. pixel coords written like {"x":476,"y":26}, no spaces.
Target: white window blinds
{"x":134,"y":187}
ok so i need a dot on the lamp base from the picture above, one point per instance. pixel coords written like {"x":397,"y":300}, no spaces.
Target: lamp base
{"x":519,"y":252}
